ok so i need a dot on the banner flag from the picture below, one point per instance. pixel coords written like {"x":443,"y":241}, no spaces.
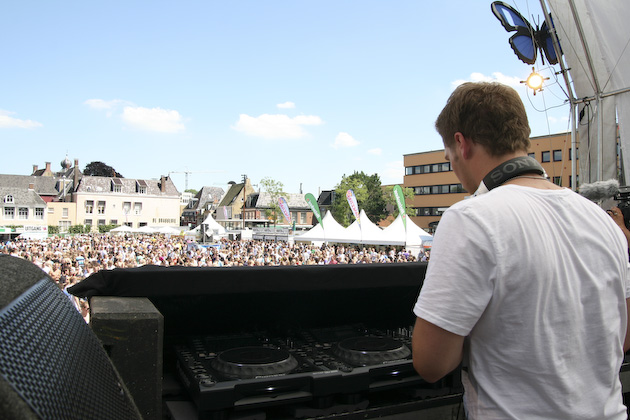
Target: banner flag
{"x":285,"y":208}
{"x":400,"y":201}
{"x":312,"y":202}
{"x":352,"y":200}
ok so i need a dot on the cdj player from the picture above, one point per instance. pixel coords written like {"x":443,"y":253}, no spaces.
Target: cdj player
{"x":316,"y":366}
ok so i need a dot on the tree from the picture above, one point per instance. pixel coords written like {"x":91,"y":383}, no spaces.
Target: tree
{"x":390,"y":200}
{"x":192,"y":191}
{"x":100,"y":169}
{"x":369,"y":194}
{"x":275,"y":190}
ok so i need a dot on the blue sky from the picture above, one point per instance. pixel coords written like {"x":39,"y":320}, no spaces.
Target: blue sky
{"x":302,"y":92}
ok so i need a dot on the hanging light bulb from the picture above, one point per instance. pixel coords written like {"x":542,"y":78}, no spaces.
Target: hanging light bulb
{"x":535,"y":81}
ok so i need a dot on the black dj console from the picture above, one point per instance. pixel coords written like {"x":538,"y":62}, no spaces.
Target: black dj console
{"x":337,"y":365}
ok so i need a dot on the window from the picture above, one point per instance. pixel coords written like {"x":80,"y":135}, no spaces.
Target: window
{"x":141,"y":186}
{"x":116,"y":185}
{"x":87,"y":222}
{"x":101,"y":222}
{"x":546,"y":156}
{"x":89,"y":206}
{"x":39,"y":213}
{"x":101,"y":207}
{"x":113,"y":222}
{"x":9,"y":212}
{"x":8,"y":199}
{"x":557,"y":155}
{"x":23,"y":213}
{"x":51,"y":210}
{"x":126,"y":207}
{"x":577,"y":180}
{"x":532,"y":155}
{"x":64,"y":225}
{"x":137,"y":208}
{"x":571,"y":153}
{"x":557,"y":180}
{"x":64,"y":212}
{"x":303,"y":218}
{"x":409,"y":170}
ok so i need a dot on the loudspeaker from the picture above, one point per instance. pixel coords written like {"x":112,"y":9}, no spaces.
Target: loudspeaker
{"x":51,"y":364}
{"x":132,"y":332}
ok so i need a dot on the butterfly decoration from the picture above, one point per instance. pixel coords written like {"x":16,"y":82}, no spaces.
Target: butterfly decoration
{"x":526,"y":41}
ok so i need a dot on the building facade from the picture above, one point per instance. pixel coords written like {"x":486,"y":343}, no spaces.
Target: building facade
{"x":124,"y":201}
{"x":436,"y":187}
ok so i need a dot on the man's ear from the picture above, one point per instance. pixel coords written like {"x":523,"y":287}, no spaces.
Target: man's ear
{"x":464,"y":144}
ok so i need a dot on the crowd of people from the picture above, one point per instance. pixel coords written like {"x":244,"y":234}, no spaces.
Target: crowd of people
{"x":68,"y":260}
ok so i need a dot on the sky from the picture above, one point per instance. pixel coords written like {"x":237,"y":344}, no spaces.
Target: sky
{"x":301,"y":92}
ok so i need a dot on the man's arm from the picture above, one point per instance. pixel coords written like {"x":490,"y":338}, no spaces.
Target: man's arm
{"x":436,"y":351}
{"x":626,"y":342}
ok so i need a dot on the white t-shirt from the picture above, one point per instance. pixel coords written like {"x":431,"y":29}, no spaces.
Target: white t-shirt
{"x":537,"y":281}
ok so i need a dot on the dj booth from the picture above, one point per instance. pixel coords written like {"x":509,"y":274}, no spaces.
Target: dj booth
{"x":281,"y":342}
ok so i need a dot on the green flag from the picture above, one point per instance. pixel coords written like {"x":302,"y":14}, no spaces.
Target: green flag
{"x":312,"y":202}
{"x":400,"y":201}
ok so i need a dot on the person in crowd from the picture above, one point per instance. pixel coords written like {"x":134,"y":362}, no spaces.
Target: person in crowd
{"x":527,"y":284}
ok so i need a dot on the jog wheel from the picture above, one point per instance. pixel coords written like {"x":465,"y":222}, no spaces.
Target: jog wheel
{"x":370,"y":350}
{"x":250,"y":362}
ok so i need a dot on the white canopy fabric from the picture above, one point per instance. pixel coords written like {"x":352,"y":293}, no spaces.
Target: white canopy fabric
{"x":594,"y":39}
{"x":370,"y":233}
{"x":315,"y":234}
{"x":122,"y":229}
{"x":167,"y":230}
{"x":212,"y":226}
{"x":144,"y":229}
{"x":367,"y":232}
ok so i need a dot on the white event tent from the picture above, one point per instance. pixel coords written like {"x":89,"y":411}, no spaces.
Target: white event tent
{"x":213,"y":227}
{"x":366,"y":233}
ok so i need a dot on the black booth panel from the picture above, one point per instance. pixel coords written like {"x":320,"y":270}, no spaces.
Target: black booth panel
{"x":231,"y":299}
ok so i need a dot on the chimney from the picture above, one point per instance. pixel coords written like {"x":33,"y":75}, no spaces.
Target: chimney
{"x":35,"y":168}
{"x":163,"y":183}
{"x":75,"y":181}
{"x":47,"y":166}
{"x":31,"y":186}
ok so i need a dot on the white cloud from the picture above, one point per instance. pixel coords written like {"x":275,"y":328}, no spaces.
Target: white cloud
{"x":554,"y":120}
{"x":153,"y":119}
{"x":276,"y":126}
{"x":376,"y":151}
{"x":496,"y":77}
{"x":344,"y":140}
{"x":393,"y":172}
{"x":6,"y":121}
{"x":286,"y":105}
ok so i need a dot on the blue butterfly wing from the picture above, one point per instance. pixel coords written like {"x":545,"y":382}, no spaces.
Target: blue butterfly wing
{"x":545,"y":41}
{"x":524,"y":47}
{"x":509,"y":17}
{"x":523,"y":42}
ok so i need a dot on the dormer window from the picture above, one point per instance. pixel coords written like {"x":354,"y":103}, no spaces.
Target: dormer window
{"x":141,"y":186}
{"x":8,"y":199}
{"x":116,"y":185}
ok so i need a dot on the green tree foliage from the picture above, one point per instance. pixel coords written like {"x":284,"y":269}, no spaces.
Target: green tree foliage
{"x":100,"y":169}
{"x":367,"y":189}
{"x":192,"y":191}
{"x":275,"y":189}
{"x":390,"y":200}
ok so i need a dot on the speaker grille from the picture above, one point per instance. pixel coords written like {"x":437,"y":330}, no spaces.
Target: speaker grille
{"x":49,"y":355}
